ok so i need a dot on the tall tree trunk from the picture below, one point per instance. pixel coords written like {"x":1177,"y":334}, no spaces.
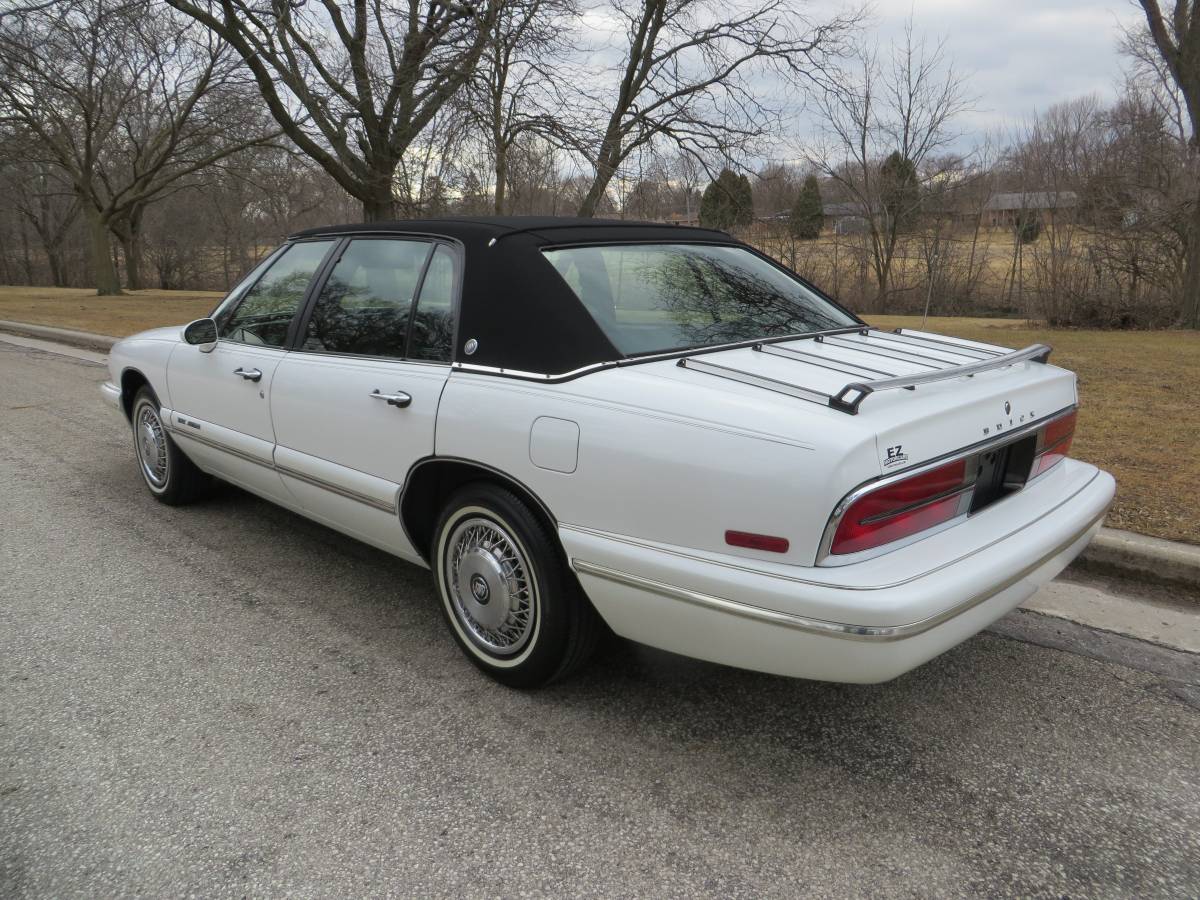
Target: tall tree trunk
{"x":104,"y":273}
{"x":131,"y":248}
{"x":27,"y":258}
{"x":606,"y":168}
{"x":378,"y":197}
{"x":1189,"y":305}
{"x":379,"y":210}
{"x":55,"y":261}
{"x":501,"y":176}
{"x":591,"y":202}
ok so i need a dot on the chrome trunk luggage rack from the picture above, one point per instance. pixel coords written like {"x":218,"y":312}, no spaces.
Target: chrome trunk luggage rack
{"x":907,"y":347}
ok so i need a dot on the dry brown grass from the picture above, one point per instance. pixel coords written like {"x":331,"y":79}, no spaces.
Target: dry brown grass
{"x":81,"y":309}
{"x":1139,"y":416}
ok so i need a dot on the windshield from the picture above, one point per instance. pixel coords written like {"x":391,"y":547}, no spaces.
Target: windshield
{"x":652,"y":298}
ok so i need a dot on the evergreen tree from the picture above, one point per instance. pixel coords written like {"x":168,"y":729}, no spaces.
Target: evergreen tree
{"x":808,"y":213}
{"x":1028,"y":226}
{"x":743,"y":199}
{"x":727,"y":202}
{"x":899,"y":190}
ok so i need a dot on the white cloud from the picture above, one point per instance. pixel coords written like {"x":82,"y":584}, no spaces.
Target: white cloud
{"x":1020,"y":55}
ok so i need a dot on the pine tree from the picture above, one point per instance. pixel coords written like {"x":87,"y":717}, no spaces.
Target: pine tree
{"x":712,"y":210}
{"x":743,"y":195}
{"x":900,"y":192}
{"x":808,"y":213}
{"x":727,"y":202}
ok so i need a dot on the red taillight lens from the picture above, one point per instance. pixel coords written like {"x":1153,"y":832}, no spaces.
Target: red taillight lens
{"x":756,"y":541}
{"x":901,"y":509}
{"x":1054,"y":443}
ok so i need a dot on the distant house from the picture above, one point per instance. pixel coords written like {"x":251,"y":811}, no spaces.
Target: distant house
{"x":1004,"y":210}
{"x":845,"y":218}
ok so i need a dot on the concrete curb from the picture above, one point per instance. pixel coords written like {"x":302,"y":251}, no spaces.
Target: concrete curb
{"x":1111,"y":552}
{"x":1148,"y":559}
{"x":99,"y":343}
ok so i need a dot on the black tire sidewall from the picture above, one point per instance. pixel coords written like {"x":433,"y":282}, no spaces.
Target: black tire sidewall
{"x":538,"y":661}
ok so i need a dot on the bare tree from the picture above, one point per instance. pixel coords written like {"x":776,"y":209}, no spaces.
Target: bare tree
{"x":519,"y":89}
{"x":682,"y":78}
{"x":354,"y":84}
{"x":119,"y":100}
{"x":900,"y":105}
{"x":1176,"y":34}
{"x":40,"y":196}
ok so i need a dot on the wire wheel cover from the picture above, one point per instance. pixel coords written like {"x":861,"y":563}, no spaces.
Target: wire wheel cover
{"x":491,"y":592}
{"x":151,"y":445}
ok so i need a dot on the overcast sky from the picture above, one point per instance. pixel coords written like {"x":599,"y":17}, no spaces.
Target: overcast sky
{"x":1021,"y":55}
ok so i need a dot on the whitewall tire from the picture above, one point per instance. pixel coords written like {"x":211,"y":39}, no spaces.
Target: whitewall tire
{"x":512,"y":604}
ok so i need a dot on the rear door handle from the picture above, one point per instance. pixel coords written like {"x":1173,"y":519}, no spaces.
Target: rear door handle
{"x":399,"y":398}
{"x":248,"y":374}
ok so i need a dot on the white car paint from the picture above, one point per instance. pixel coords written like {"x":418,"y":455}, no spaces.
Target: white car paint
{"x":645,"y":467}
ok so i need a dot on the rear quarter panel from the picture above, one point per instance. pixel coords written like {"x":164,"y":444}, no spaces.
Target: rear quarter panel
{"x":660,"y":461}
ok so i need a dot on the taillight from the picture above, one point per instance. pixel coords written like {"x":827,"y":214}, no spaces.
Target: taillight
{"x":1054,"y":443}
{"x":903,"y":508}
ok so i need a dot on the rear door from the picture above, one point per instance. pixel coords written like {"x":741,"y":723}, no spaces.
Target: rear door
{"x":355,"y":403}
{"x":222,"y":414}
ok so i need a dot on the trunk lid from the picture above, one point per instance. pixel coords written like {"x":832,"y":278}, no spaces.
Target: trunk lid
{"x":962,"y":407}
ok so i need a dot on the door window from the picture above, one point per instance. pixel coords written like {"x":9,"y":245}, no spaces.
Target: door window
{"x":365,"y":304}
{"x":433,"y":319}
{"x":265,"y":312}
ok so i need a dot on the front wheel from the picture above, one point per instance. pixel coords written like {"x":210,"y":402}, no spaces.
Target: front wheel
{"x":511,"y":602}
{"x":171,"y":477}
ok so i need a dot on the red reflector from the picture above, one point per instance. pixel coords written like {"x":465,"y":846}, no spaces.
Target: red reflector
{"x":901,"y":509}
{"x":756,"y":541}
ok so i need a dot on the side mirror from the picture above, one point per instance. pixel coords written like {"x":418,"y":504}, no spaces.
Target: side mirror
{"x":203,"y":334}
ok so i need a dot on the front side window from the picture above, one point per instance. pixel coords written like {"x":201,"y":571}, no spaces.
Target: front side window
{"x":365,"y":304}
{"x":654,"y":298}
{"x":266,"y":310}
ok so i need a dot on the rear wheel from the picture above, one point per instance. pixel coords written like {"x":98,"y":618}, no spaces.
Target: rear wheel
{"x":170,"y":476}
{"x":512,"y":603}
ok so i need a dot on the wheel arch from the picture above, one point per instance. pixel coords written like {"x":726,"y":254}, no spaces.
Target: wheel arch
{"x":432,"y":480}
{"x":132,"y":381}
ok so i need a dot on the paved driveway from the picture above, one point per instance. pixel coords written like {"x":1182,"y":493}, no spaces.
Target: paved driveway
{"x":227,"y":700}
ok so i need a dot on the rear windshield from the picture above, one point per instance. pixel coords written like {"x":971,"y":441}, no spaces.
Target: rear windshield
{"x":651,"y":298}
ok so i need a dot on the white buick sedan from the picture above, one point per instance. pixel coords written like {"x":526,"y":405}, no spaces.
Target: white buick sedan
{"x":579,"y":423}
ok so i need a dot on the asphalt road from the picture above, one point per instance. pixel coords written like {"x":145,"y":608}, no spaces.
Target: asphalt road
{"x":226,"y":700}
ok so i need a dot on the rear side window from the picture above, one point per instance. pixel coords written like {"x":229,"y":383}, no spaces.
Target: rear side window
{"x":266,"y":310}
{"x":433,"y":321}
{"x":365,"y":304}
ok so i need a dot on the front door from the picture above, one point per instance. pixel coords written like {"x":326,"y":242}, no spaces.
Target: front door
{"x":355,"y":404}
{"x":221,"y":413}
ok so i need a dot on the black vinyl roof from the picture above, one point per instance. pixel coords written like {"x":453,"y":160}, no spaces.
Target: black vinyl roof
{"x":514,"y":304}
{"x":550,"y":228}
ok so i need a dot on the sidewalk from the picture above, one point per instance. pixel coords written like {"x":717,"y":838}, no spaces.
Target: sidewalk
{"x":1112,"y":552}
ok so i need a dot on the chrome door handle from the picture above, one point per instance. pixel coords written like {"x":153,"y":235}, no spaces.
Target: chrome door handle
{"x":248,"y":374}
{"x":399,"y":398}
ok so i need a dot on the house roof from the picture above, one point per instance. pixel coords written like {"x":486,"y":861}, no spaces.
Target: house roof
{"x":1032,"y":200}
{"x":841,"y":210}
